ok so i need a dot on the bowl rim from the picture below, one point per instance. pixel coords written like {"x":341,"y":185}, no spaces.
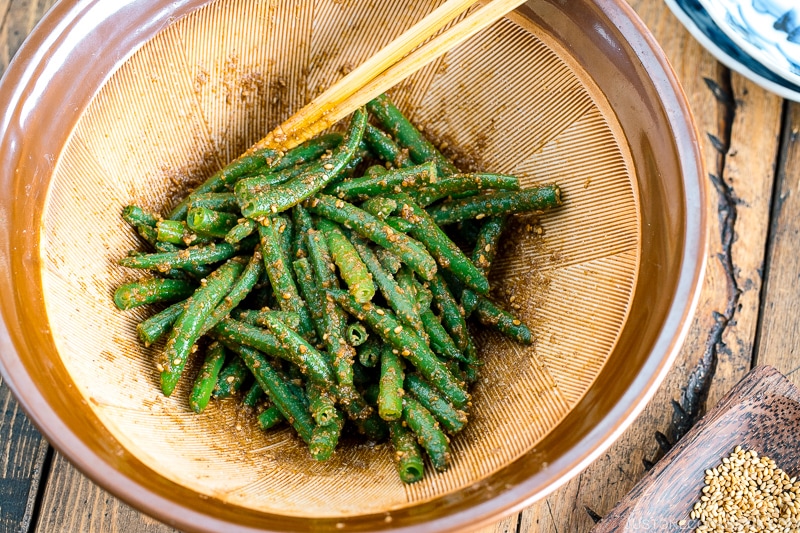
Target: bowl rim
{"x":55,"y":33}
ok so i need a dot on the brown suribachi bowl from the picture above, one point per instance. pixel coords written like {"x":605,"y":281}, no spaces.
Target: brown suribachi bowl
{"x":111,"y":103}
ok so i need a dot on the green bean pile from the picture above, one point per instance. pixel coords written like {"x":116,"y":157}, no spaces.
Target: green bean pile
{"x":321,"y":287}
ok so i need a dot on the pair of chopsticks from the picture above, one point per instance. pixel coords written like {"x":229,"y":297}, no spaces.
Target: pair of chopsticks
{"x":391,"y":65}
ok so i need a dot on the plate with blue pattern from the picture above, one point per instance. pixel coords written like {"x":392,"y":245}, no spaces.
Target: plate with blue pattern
{"x":693,"y":15}
{"x":768,"y":30}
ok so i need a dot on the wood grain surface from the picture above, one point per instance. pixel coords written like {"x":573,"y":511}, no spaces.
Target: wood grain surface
{"x":746,"y":314}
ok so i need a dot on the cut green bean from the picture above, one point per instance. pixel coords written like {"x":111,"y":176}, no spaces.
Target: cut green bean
{"x":448,"y":255}
{"x":253,"y":395}
{"x":407,"y":249}
{"x":152,"y":329}
{"x":410,"y":346}
{"x":390,"y":262}
{"x":441,"y":342}
{"x":351,"y":268}
{"x":259,"y":317}
{"x":150,"y":291}
{"x":393,"y":181}
{"x":189,"y":257}
{"x":244,"y":228}
{"x":321,"y":403}
{"x":206,"y":379}
{"x":210,"y":223}
{"x":325,"y":437}
{"x":495,"y":204}
{"x":261,"y":203}
{"x":270,"y":417}
{"x":226,"y":176}
{"x":302,"y":223}
{"x":492,"y":315}
{"x":304,"y":275}
{"x":178,"y":232}
{"x":385,"y":148}
{"x":464,"y":185}
{"x":452,"y":420}
{"x":238,"y":291}
{"x":356,"y":334}
{"x":407,"y":135}
{"x":135,"y":216}
{"x":482,"y":257}
{"x":280,"y":275}
{"x":390,"y":394}
{"x":231,"y":378}
{"x":236,"y":332}
{"x":187,"y":327}
{"x":407,"y":455}
{"x":398,"y":300}
{"x":278,"y":391}
{"x":216,"y":201}
{"x":369,"y":353}
{"x":379,"y":206}
{"x":453,"y":318}
{"x":426,"y":428}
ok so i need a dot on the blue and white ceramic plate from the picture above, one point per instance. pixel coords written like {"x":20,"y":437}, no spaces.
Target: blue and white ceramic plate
{"x":768,"y":30}
{"x":703,"y":28}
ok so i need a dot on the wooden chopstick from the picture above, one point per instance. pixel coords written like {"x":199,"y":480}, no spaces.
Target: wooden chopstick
{"x":385,"y":69}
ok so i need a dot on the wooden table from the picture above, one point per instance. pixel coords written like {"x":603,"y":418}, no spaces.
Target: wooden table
{"x":751,"y":142}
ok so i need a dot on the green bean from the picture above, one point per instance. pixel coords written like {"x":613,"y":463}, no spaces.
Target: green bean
{"x":407,"y":343}
{"x":407,"y":135}
{"x":490,"y":314}
{"x":325,"y":437}
{"x":463,"y":185}
{"x":206,"y":379}
{"x":262,"y":203}
{"x":440,"y":246}
{"x":430,"y":437}
{"x":424,"y":295}
{"x":244,"y":228}
{"x":280,"y":275}
{"x":226,"y":176}
{"x":452,"y":420}
{"x":390,"y":394}
{"x":234,"y":331}
{"x":321,"y":403}
{"x":178,"y":232}
{"x":148,"y":233}
{"x":441,"y":342}
{"x":253,"y":395}
{"x":254,"y":317}
{"x":197,"y":271}
{"x":371,"y":426}
{"x":379,"y":206}
{"x":285,"y":232}
{"x":482,"y":257}
{"x":216,"y":201}
{"x":385,"y":148}
{"x":278,"y":391}
{"x":231,"y":378}
{"x":407,"y":455}
{"x":302,"y":223}
{"x":187,"y":327}
{"x":210,"y":223}
{"x":351,"y":268}
{"x":150,"y":291}
{"x":136,"y":216}
{"x":369,"y":353}
{"x":452,"y":318}
{"x":375,"y":170}
{"x":153,"y":328}
{"x":356,"y":334}
{"x":269,"y":417}
{"x":390,"y":262}
{"x":238,"y":291}
{"x":189,"y":257}
{"x":297,"y":350}
{"x":407,"y":249}
{"x":304,"y":276}
{"x":393,"y":181}
{"x":497,"y":203}
{"x":397,"y":299}
{"x":309,"y":151}
{"x":399,"y":224}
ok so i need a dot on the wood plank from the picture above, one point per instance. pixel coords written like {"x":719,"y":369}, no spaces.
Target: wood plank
{"x":73,"y":503}
{"x":718,"y":350}
{"x":22,"y":457}
{"x":779,"y":334}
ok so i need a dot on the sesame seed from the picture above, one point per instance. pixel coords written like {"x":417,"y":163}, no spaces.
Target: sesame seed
{"x":327,"y":166}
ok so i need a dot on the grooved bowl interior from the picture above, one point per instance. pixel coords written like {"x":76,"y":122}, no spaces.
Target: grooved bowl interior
{"x":605,"y":282}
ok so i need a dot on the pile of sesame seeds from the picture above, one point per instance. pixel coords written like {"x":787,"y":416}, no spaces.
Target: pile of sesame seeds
{"x":748,"y":493}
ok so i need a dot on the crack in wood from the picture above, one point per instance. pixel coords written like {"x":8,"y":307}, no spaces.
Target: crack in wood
{"x":594,"y":516}
{"x":694,"y":395}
